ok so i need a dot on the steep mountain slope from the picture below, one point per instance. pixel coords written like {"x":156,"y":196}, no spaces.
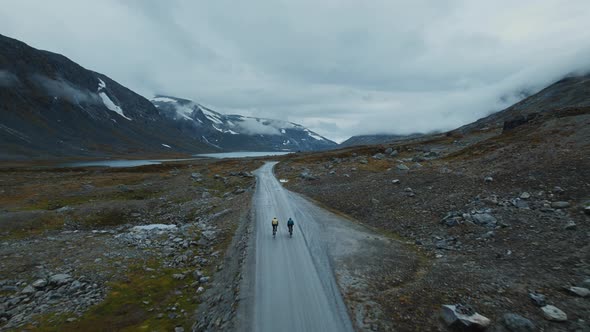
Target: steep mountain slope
{"x":236,"y":132}
{"x":51,"y":106}
{"x":570,"y":92}
{"x":499,"y":209}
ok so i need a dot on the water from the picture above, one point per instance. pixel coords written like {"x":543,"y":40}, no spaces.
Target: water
{"x":243,"y":154}
{"x":113,"y":163}
{"x":142,"y":162}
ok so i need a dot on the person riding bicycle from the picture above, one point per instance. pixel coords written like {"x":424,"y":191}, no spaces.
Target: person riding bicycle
{"x":290,"y":224}
{"x":275,"y":225}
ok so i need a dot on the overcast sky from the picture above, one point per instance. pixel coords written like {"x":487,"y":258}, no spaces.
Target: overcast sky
{"x":340,"y":67}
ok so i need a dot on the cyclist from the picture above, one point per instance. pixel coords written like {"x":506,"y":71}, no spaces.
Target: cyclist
{"x":275,"y":225}
{"x":290,"y":224}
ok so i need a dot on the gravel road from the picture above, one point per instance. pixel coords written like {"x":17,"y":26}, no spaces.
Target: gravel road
{"x":294,"y":288}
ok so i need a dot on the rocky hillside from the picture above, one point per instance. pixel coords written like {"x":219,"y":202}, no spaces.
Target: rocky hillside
{"x":375,"y":139}
{"x":500,"y":209}
{"x":51,"y":106}
{"x":567,"y":93}
{"x":236,"y":132}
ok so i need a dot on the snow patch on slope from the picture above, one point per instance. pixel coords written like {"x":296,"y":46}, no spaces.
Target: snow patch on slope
{"x":314,"y":135}
{"x":213,"y":117}
{"x":112,"y":106}
{"x":108,"y":102}
{"x":164,"y":99}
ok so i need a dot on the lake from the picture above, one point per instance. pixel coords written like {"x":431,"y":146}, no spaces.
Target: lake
{"x":142,"y":162}
{"x":243,"y":154}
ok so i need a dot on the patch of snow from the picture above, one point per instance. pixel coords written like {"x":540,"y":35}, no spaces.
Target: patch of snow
{"x":153,"y":226}
{"x":184,"y":111}
{"x":101,"y":84}
{"x":111,"y":106}
{"x":211,"y":115}
{"x":184,"y":116}
{"x":166,"y":146}
{"x":216,"y":128}
{"x":283,"y":131}
{"x":283,"y":180}
{"x":314,"y":135}
{"x":231,"y":132}
{"x":164,"y":99}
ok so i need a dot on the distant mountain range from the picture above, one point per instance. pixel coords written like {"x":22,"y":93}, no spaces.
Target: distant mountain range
{"x":236,"y":132}
{"x":52,"y":107}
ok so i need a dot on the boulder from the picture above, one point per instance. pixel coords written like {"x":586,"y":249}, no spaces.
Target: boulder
{"x":579,"y":291}
{"x":60,"y":279}
{"x":520,"y":203}
{"x":570,"y":225}
{"x":379,"y":156}
{"x":403,"y":167}
{"x":517,"y":323}
{"x":388,"y":150}
{"x":28,"y":290}
{"x":560,"y":205}
{"x":463,"y":318}
{"x":553,"y":313}
{"x":178,"y":276}
{"x":525,"y":195}
{"x":488,"y":179}
{"x":484,"y":219}
{"x":395,"y":181}
{"x":393,"y":153}
{"x":538,"y":299}
{"x":39,"y":283}
{"x":306,"y":175}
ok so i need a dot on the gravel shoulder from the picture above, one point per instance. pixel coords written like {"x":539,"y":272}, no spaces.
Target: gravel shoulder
{"x":113,"y":249}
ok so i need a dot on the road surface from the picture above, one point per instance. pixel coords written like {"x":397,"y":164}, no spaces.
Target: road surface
{"x":294,"y":288}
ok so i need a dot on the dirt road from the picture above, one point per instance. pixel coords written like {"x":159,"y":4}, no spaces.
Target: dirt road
{"x":294,"y":285}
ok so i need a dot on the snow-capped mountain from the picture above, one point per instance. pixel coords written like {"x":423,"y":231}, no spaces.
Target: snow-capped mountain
{"x":236,"y":132}
{"x":52,"y":107}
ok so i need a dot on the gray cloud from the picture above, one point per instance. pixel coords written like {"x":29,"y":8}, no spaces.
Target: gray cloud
{"x":63,"y":89}
{"x":339,"y":67}
{"x":253,"y":127}
{"x":8,"y":79}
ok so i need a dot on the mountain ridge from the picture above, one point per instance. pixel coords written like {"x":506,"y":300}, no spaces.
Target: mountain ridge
{"x":233,"y":131}
{"x":53,"y":107}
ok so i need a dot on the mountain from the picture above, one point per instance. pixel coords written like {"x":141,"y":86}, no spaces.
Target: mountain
{"x":236,"y":132}
{"x":567,"y":93}
{"x":53,"y":107}
{"x":375,"y":139}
